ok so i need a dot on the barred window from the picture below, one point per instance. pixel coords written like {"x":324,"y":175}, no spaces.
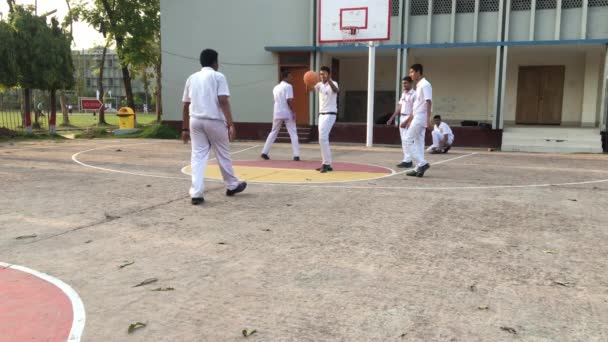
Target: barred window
{"x":521,"y":5}
{"x":489,"y":5}
{"x":572,"y":3}
{"x":442,"y":6}
{"x":395,"y":12}
{"x":419,"y":7}
{"x":598,"y":3}
{"x":546,"y":4}
{"x":465,"y":6}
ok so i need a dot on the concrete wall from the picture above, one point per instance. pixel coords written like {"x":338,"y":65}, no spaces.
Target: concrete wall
{"x":574,"y":83}
{"x":463,"y":86}
{"x":226,"y":26}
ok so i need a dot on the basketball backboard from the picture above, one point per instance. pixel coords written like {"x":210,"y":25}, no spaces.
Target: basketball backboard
{"x":369,"y":18}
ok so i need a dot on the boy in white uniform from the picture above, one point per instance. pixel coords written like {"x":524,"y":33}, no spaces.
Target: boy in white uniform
{"x":328,"y":110}
{"x":207,"y":119}
{"x":404,"y":110}
{"x":283,"y":113}
{"x":443,"y":137}
{"x":419,"y":121}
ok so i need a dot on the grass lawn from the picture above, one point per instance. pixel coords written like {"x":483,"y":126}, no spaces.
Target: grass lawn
{"x":12,"y":120}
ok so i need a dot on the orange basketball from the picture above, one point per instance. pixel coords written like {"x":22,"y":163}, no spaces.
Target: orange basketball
{"x":311,"y":78}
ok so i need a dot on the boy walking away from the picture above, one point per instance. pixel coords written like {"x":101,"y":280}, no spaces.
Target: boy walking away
{"x":207,"y":119}
{"x":283,"y":113}
{"x":404,"y":110}
{"x":419,"y":121}
{"x":443,"y":138}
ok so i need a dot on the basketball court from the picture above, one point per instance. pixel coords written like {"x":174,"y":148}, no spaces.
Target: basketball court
{"x":484,"y":241}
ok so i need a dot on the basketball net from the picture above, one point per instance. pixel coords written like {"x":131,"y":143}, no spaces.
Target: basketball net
{"x":349,"y":35}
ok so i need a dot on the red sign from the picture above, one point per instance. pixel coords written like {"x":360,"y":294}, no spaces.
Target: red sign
{"x":90,"y":104}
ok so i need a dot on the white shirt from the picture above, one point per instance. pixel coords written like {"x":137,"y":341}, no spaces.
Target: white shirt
{"x":444,"y":129}
{"x":282,"y":92}
{"x":424,"y":92}
{"x":328,"y":100}
{"x":407,"y":102}
{"x":202,"y":89}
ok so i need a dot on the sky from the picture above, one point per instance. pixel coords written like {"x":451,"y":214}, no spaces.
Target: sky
{"x":84,"y":36}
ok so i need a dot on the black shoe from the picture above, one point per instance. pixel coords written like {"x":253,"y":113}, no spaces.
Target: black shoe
{"x":197,"y":200}
{"x":447,"y":149}
{"x":422,"y":170}
{"x":296,"y":158}
{"x":412,"y":173}
{"x":405,"y":165}
{"x":240,"y":188}
{"x":265,"y":156}
{"x":435,"y":152}
{"x":325,"y":168}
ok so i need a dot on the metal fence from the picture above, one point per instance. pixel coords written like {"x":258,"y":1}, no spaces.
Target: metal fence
{"x":11,"y":116}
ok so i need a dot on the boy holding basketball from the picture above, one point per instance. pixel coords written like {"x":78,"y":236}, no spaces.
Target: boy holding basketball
{"x":328,"y":110}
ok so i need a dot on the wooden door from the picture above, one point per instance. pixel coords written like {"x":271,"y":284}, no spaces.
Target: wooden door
{"x":300,"y":95}
{"x":540,"y":93}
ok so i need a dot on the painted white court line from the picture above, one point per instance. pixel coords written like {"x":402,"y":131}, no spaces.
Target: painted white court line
{"x":77,"y":305}
{"x":75,"y":159}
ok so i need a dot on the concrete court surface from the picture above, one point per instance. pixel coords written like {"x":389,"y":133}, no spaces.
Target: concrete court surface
{"x":486,"y":247}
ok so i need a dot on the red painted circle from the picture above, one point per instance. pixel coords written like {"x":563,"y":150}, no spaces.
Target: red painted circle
{"x":311,"y":165}
{"x":32,"y":309}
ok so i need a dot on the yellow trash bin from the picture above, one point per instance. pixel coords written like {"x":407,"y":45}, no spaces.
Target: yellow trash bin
{"x":126,"y":118}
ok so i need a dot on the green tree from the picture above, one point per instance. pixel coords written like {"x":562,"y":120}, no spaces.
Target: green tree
{"x":59,"y":68}
{"x":9,"y":70}
{"x":30,"y":47}
{"x":125,"y":21}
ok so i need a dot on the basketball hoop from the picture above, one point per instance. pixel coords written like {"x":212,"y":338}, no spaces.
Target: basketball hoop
{"x":349,"y":34}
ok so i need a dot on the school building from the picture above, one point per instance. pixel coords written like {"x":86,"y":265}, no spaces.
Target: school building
{"x":511,"y":74}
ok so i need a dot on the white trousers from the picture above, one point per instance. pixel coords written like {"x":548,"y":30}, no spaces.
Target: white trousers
{"x":437,"y":138}
{"x":290,"y":124}
{"x":207,"y":135}
{"x":326,"y":122}
{"x":406,"y":156}
{"x":414,"y":141}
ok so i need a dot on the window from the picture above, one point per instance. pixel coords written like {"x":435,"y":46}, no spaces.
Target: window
{"x":489,"y":5}
{"x":572,"y":3}
{"x":598,"y":3}
{"x":546,"y":4}
{"x":395,"y":12}
{"x":419,"y":7}
{"x":521,"y":5}
{"x":442,"y":6}
{"x":465,"y":6}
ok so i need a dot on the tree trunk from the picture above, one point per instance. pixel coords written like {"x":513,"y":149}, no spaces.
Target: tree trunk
{"x":102,"y":110}
{"x":64,"y":108}
{"x":126,"y":77}
{"x":27,"y":107}
{"x":53,"y":113}
{"x":159,"y":92}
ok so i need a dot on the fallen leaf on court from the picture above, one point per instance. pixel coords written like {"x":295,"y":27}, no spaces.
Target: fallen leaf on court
{"x":163,"y":289}
{"x":181,"y":219}
{"x":111,"y":217}
{"x":509,"y":330}
{"x":23,"y":237}
{"x":572,"y":200}
{"x":148,"y":186}
{"x":135,"y":326}
{"x":147,"y":282}
{"x":289,"y":205}
{"x":266,"y":230}
{"x":473,"y":288}
{"x":119,"y":150}
{"x":88,"y":241}
{"x":483,"y":307}
{"x":402,"y":335}
{"x":222,"y":243}
{"x":551,"y":252}
{"x":563,"y":283}
{"x":126,"y":264}
{"x":247,"y":333}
